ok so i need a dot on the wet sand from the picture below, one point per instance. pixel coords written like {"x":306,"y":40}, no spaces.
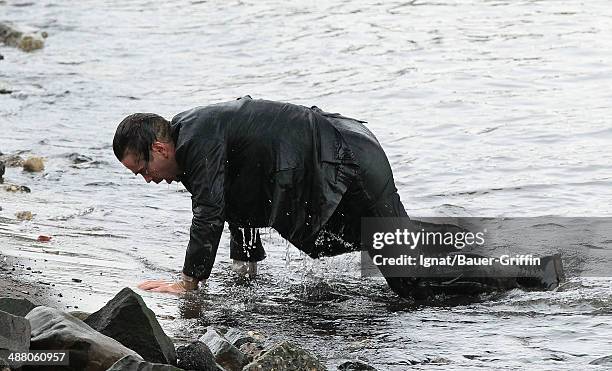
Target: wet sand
{"x":15,"y":283}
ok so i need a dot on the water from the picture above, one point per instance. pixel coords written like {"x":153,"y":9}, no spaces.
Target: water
{"x":485,"y":108}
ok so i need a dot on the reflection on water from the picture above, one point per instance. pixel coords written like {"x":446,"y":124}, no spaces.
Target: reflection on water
{"x":485,"y":109}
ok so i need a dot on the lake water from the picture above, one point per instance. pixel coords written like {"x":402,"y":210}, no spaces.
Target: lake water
{"x":485,"y":108}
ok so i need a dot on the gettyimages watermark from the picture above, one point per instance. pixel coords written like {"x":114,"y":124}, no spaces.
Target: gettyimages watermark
{"x":485,"y":247}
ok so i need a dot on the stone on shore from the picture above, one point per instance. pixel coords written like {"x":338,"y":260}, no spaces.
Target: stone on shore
{"x":14,"y":332}
{"x":131,"y":363}
{"x":24,"y":215}
{"x":226,"y":354}
{"x":127,"y":319}
{"x":16,"y":307}
{"x":355,"y":366}
{"x":26,"y":41}
{"x":12,"y":160}
{"x":196,"y":356}
{"x":89,"y":350}
{"x":285,"y":356}
{"x":34,"y":164}
{"x":603,"y":361}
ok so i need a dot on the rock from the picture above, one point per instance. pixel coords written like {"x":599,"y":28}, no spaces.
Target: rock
{"x":227,"y":355}
{"x":355,"y":366}
{"x":89,"y":350}
{"x":127,"y":319}
{"x":14,"y":332}
{"x":27,"y":42}
{"x":285,"y":356}
{"x":196,"y":356}
{"x":16,"y":188}
{"x":603,"y":361}
{"x":80,"y":315}
{"x":16,"y":307}
{"x":12,"y":160}
{"x":237,"y":337}
{"x":77,"y":158}
{"x":34,"y":164}
{"x":251,"y":350}
{"x":23,"y":215}
{"x":131,"y":363}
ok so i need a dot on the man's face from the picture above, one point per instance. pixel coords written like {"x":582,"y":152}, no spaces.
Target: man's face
{"x":161,"y":165}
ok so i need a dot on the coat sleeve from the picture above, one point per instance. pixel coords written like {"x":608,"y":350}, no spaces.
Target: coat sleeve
{"x":205,"y":167}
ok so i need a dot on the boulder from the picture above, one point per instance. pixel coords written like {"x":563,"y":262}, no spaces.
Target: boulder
{"x":12,"y":160}
{"x":89,"y":350}
{"x":16,"y":307}
{"x":127,"y":319}
{"x":355,"y":366}
{"x":285,"y":356}
{"x":603,"y":361}
{"x":226,"y":354}
{"x":196,"y":356}
{"x":34,"y":164}
{"x":14,"y":332}
{"x":131,"y":363}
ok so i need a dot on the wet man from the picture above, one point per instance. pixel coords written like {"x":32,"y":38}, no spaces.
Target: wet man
{"x":309,"y":174}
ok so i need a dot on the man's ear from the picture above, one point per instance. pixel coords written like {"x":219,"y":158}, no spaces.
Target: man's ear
{"x":159,"y":147}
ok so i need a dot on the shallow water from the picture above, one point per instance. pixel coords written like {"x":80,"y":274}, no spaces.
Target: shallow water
{"x":485,"y":108}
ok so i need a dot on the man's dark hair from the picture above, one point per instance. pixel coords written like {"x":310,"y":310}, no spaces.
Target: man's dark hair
{"x":137,"y":132}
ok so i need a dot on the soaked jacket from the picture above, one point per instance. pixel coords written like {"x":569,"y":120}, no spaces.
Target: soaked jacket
{"x":259,"y":163}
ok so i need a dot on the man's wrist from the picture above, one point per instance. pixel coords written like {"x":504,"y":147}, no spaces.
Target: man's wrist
{"x":190,"y":283}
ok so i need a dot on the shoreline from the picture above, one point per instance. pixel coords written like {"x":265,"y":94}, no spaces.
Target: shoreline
{"x":13,"y":284}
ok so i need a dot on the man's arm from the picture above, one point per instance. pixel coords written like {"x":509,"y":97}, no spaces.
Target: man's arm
{"x":205,"y":169}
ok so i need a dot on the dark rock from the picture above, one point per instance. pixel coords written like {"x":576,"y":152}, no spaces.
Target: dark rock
{"x":14,"y":332}
{"x":355,"y":366}
{"x":89,"y":350}
{"x":16,"y":307}
{"x":131,"y":363}
{"x":127,"y":319}
{"x":227,"y":355}
{"x":285,"y":356}
{"x":196,"y":356}
{"x":80,"y":315}
{"x":603,"y":361}
{"x":251,"y":350}
{"x":77,"y":158}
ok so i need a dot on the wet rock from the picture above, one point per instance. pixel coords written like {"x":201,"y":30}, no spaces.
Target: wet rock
{"x":127,"y":319}
{"x":12,"y":160}
{"x":16,"y":307}
{"x":5,"y":89}
{"x":16,"y":188}
{"x":2,"y":168}
{"x":14,"y":332}
{"x":355,"y":366}
{"x":226,"y":354}
{"x":23,"y":215}
{"x":89,"y":350}
{"x":77,"y":158}
{"x":34,"y":164}
{"x":285,"y":356}
{"x":196,"y":356}
{"x":79,"y":314}
{"x":237,"y":337}
{"x":26,"y":41}
{"x":251,"y":350}
{"x":131,"y":363}
{"x":603,"y":361}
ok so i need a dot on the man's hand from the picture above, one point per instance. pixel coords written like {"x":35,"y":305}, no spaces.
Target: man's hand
{"x":180,"y":287}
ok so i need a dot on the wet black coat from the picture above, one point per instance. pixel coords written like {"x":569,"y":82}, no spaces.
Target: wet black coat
{"x":261,"y":163}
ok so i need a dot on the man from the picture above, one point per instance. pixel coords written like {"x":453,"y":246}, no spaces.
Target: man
{"x":309,"y":174}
